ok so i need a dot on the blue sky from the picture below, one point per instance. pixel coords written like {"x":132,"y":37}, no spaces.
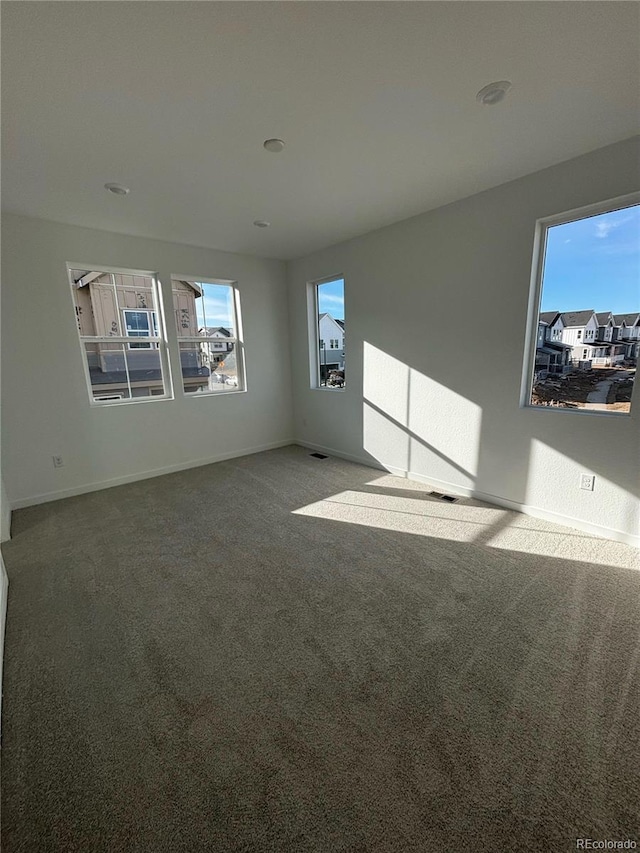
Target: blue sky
{"x":594,"y":263}
{"x":214,"y":307}
{"x":331,"y":298}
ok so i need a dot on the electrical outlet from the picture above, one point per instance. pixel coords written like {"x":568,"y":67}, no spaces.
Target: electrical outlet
{"x":58,"y":461}
{"x":587,"y":482}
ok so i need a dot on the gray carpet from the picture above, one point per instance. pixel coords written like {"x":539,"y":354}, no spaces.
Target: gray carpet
{"x":279,"y":653}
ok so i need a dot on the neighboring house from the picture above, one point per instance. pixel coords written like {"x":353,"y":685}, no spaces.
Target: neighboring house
{"x":122,"y":306}
{"x":553,"y":319}
{"x":629,"y":325}
{"x":552,"y":355}
{"x":605,"y":326}
{"x":331,"y":341}
{"x":216,"y":345}
{"x":581,"y":332}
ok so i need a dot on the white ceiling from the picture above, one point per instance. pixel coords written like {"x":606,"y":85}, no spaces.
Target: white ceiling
{"x":376,"y":102}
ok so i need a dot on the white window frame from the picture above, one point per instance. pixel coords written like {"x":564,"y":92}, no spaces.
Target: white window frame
{"x":159,"y":340}
{"x":241,"y":387}
{"x":313,"y":332}
{"x":153,"y":324}
{"x":535,"y":298}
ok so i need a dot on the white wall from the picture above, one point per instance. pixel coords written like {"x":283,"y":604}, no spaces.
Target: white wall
{"x":451,"y":415}
{"x":5,"y":514}
{"x":45,"y":402}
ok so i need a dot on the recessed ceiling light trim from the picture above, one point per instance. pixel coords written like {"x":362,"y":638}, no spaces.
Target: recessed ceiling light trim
{"x":493,"y":93}
{"x":117,"y":189}
{"x":273,"y":145}
{"x":261,"y":223}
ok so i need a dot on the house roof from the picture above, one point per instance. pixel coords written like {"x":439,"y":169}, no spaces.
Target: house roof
{"x":331,"y":317}
{"x":577,"y":318}
{"x":211,"y":330}
{"x":627,"y":319}
{"x":558,"y":345}
{"x":119,"y":377}
{"x":549,"y":317}
{"x":604,"y":317}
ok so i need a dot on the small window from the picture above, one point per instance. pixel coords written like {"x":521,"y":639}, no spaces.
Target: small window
{"x":327,"y":324}
{"x":207,"y":319}
{"x":112,"y":307}
{"x":577,"y":256}
{"x":140,"y":324}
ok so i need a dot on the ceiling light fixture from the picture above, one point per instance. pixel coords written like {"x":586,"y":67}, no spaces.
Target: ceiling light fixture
{"x":261,"y":223}
{"x":273,"y":145}
{"x":493,"y":93}
{"x":117,"y":189}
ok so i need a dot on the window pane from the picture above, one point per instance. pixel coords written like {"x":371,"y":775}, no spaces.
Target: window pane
{"x":115,"y":371}
{"x":138,"y":324}
{"x":588,"y":330}
{"x":206,"y":312}
{"x":119,"y":305}
{"x":330,"y":330}
{"x":205,"y":370}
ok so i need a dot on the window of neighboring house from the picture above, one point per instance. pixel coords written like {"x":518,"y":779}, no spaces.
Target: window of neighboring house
{"x":208,"y":321}
{"x":325,"y":307}
{"x":605,"y":239}
{"x":112,"y":306}
{"x":140,"y":324}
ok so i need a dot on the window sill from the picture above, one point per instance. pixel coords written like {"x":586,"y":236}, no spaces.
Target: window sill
{"x":124,"y":403}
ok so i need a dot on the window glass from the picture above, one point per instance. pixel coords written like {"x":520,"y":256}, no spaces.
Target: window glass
{"x":330,"y":326}
{"x":580,"y":364}
{"x":211,"y":352}
{"x":111,"y":308}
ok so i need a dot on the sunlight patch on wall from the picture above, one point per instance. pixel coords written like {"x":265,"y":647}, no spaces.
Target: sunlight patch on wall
{"x":413,"y":423}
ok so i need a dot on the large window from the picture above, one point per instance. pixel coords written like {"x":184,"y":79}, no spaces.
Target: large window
{"x":112,"y":308}
{"x":209,"y":338}
{"x":584,"y":336}
{"x":326,"y":305}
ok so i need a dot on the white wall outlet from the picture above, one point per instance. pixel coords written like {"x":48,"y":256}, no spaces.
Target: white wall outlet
{"x":587,"y":481}
{"x":58,"y":461}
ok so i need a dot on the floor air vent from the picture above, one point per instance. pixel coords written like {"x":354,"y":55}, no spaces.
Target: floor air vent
{"x":318,"y":455}
{"x":448,"y":498}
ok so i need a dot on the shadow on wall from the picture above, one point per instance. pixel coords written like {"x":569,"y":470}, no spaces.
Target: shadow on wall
{"x":413,"y":423}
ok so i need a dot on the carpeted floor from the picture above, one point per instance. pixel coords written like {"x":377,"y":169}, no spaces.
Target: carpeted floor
{"x":280,"y":653}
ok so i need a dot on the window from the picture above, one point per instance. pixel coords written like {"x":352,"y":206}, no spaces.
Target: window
{"x":111,"y":308}
{"x":209,"y":340}
{"x":577,"y":256}
{"x":140,"y":324}
{"x":326,"y":323}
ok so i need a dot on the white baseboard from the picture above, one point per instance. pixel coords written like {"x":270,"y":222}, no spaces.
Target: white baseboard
{"x":463,"y":491}
{"x":144,"y":475}
{"x":527,"y":509}
{"x":330,"y":451}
